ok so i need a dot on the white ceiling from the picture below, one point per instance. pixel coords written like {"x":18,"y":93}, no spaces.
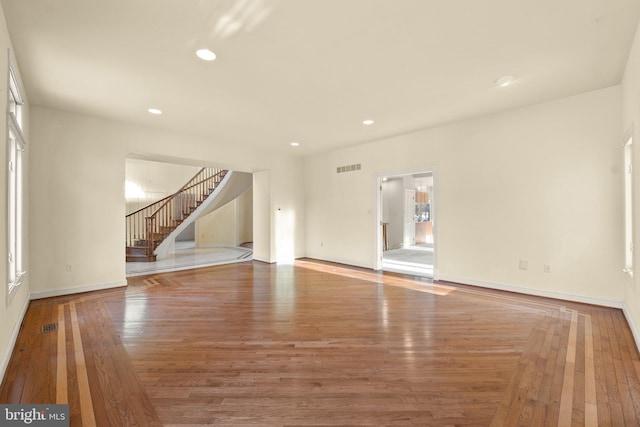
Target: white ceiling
{"x":312,"y":70}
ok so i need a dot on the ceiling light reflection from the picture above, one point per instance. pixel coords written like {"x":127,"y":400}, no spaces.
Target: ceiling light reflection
{"x":505,"y":81}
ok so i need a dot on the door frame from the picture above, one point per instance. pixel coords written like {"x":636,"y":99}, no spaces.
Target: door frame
{"x":377,"y":188}
{"x":411,"y":234}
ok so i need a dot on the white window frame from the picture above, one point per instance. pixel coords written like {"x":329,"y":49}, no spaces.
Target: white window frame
{"x":15,"y":188}
{"x":628,"y":206}
{"x":16,"y":101}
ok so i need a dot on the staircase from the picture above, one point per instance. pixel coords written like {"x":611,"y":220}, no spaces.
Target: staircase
{"x":149,"y":226}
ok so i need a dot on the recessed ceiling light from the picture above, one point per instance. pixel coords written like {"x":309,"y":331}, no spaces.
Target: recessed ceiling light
{"x":154,"y":111}
{"x":368,"y":122}
{"x":295,"y":144}
{"x":505,"y":81}
{"x":206,"y":54}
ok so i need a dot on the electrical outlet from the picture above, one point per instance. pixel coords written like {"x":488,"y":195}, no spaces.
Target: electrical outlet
{"x":68,"y":268}
{"x":547,"y":268}
{"x":524,"y":264}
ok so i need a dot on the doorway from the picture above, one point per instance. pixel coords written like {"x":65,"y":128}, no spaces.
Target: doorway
{"x":202,"y":227}
{"x":407,"y":233}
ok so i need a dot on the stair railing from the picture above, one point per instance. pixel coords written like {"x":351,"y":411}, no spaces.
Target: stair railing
{"x":150,"y":225}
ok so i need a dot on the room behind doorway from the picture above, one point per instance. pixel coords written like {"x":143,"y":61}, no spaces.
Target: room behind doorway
{"x":407,"y":220}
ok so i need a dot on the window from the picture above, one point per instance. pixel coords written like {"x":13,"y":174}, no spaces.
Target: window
{"x":15,"y":99}
{"x":628,"y":206}
{"x":15,"y":147}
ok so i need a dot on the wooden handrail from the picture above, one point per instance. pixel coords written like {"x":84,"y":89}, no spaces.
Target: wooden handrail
{"x":150,"y":225}
{"x":148,"y":206}
{"x":185,"y":188}
{"x":169,"y":196}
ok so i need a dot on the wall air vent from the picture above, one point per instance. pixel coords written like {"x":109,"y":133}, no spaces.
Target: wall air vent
{"x":349,"y":168}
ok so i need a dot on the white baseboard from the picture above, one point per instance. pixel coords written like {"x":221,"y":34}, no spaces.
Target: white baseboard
{"x":76,"y":290}
{"x":585,"y":299}
{"x":339,"y":261}
{"x":275,"y":261}
{"x":6,"y":357}
{"x":634,"y":331}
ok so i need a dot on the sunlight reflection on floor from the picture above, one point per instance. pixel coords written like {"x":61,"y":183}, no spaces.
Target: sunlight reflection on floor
{"x":417,"y":284}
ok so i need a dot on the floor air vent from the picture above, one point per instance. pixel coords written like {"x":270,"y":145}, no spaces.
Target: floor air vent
{"x":49,"y":327}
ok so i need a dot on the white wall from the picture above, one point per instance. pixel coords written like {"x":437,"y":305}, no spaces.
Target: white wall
{"x":229,"y":225}
{"x":263,"y":249}
{"x":11,"y":312}
{"x":77,"y":195}
{"x":631,"y":123}
{"x":287,"y":209}
{"x":78,"y":209}
{"x":219,"y":227}
{"x":245,"y":217}
{"x":540,"y":183}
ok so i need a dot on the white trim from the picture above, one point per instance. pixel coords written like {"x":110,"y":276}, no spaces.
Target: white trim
{"x":628,"y":205}
{"x":264,"y":261}
{"x":48,"y":293}
{"x":628,"y":135}
{"x":236,"y":222}
{"x":339,"y":261}
{"x":377,"y":252}
{"x":585,"y":299}
{"x":8,"y":351}
{"x":634,"y":331}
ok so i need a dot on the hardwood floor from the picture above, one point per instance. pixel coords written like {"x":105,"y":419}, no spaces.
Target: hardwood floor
{"x":253,"y":344}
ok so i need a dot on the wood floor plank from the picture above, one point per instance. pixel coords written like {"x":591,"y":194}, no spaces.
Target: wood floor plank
{"x":115,"y":372}
{"x":629,"y":354}
{"x":625,"y":391}
{"x":317,"y":343}
{"x":616,"y":416}
{"x":590,"y":399}
{"x":86,"y":403}
{"x":599,"y":349}
{"x":35,"y":355}
{"x":554,"y":369}
{"x":62,"y":394}
{"x":566,"y":398}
